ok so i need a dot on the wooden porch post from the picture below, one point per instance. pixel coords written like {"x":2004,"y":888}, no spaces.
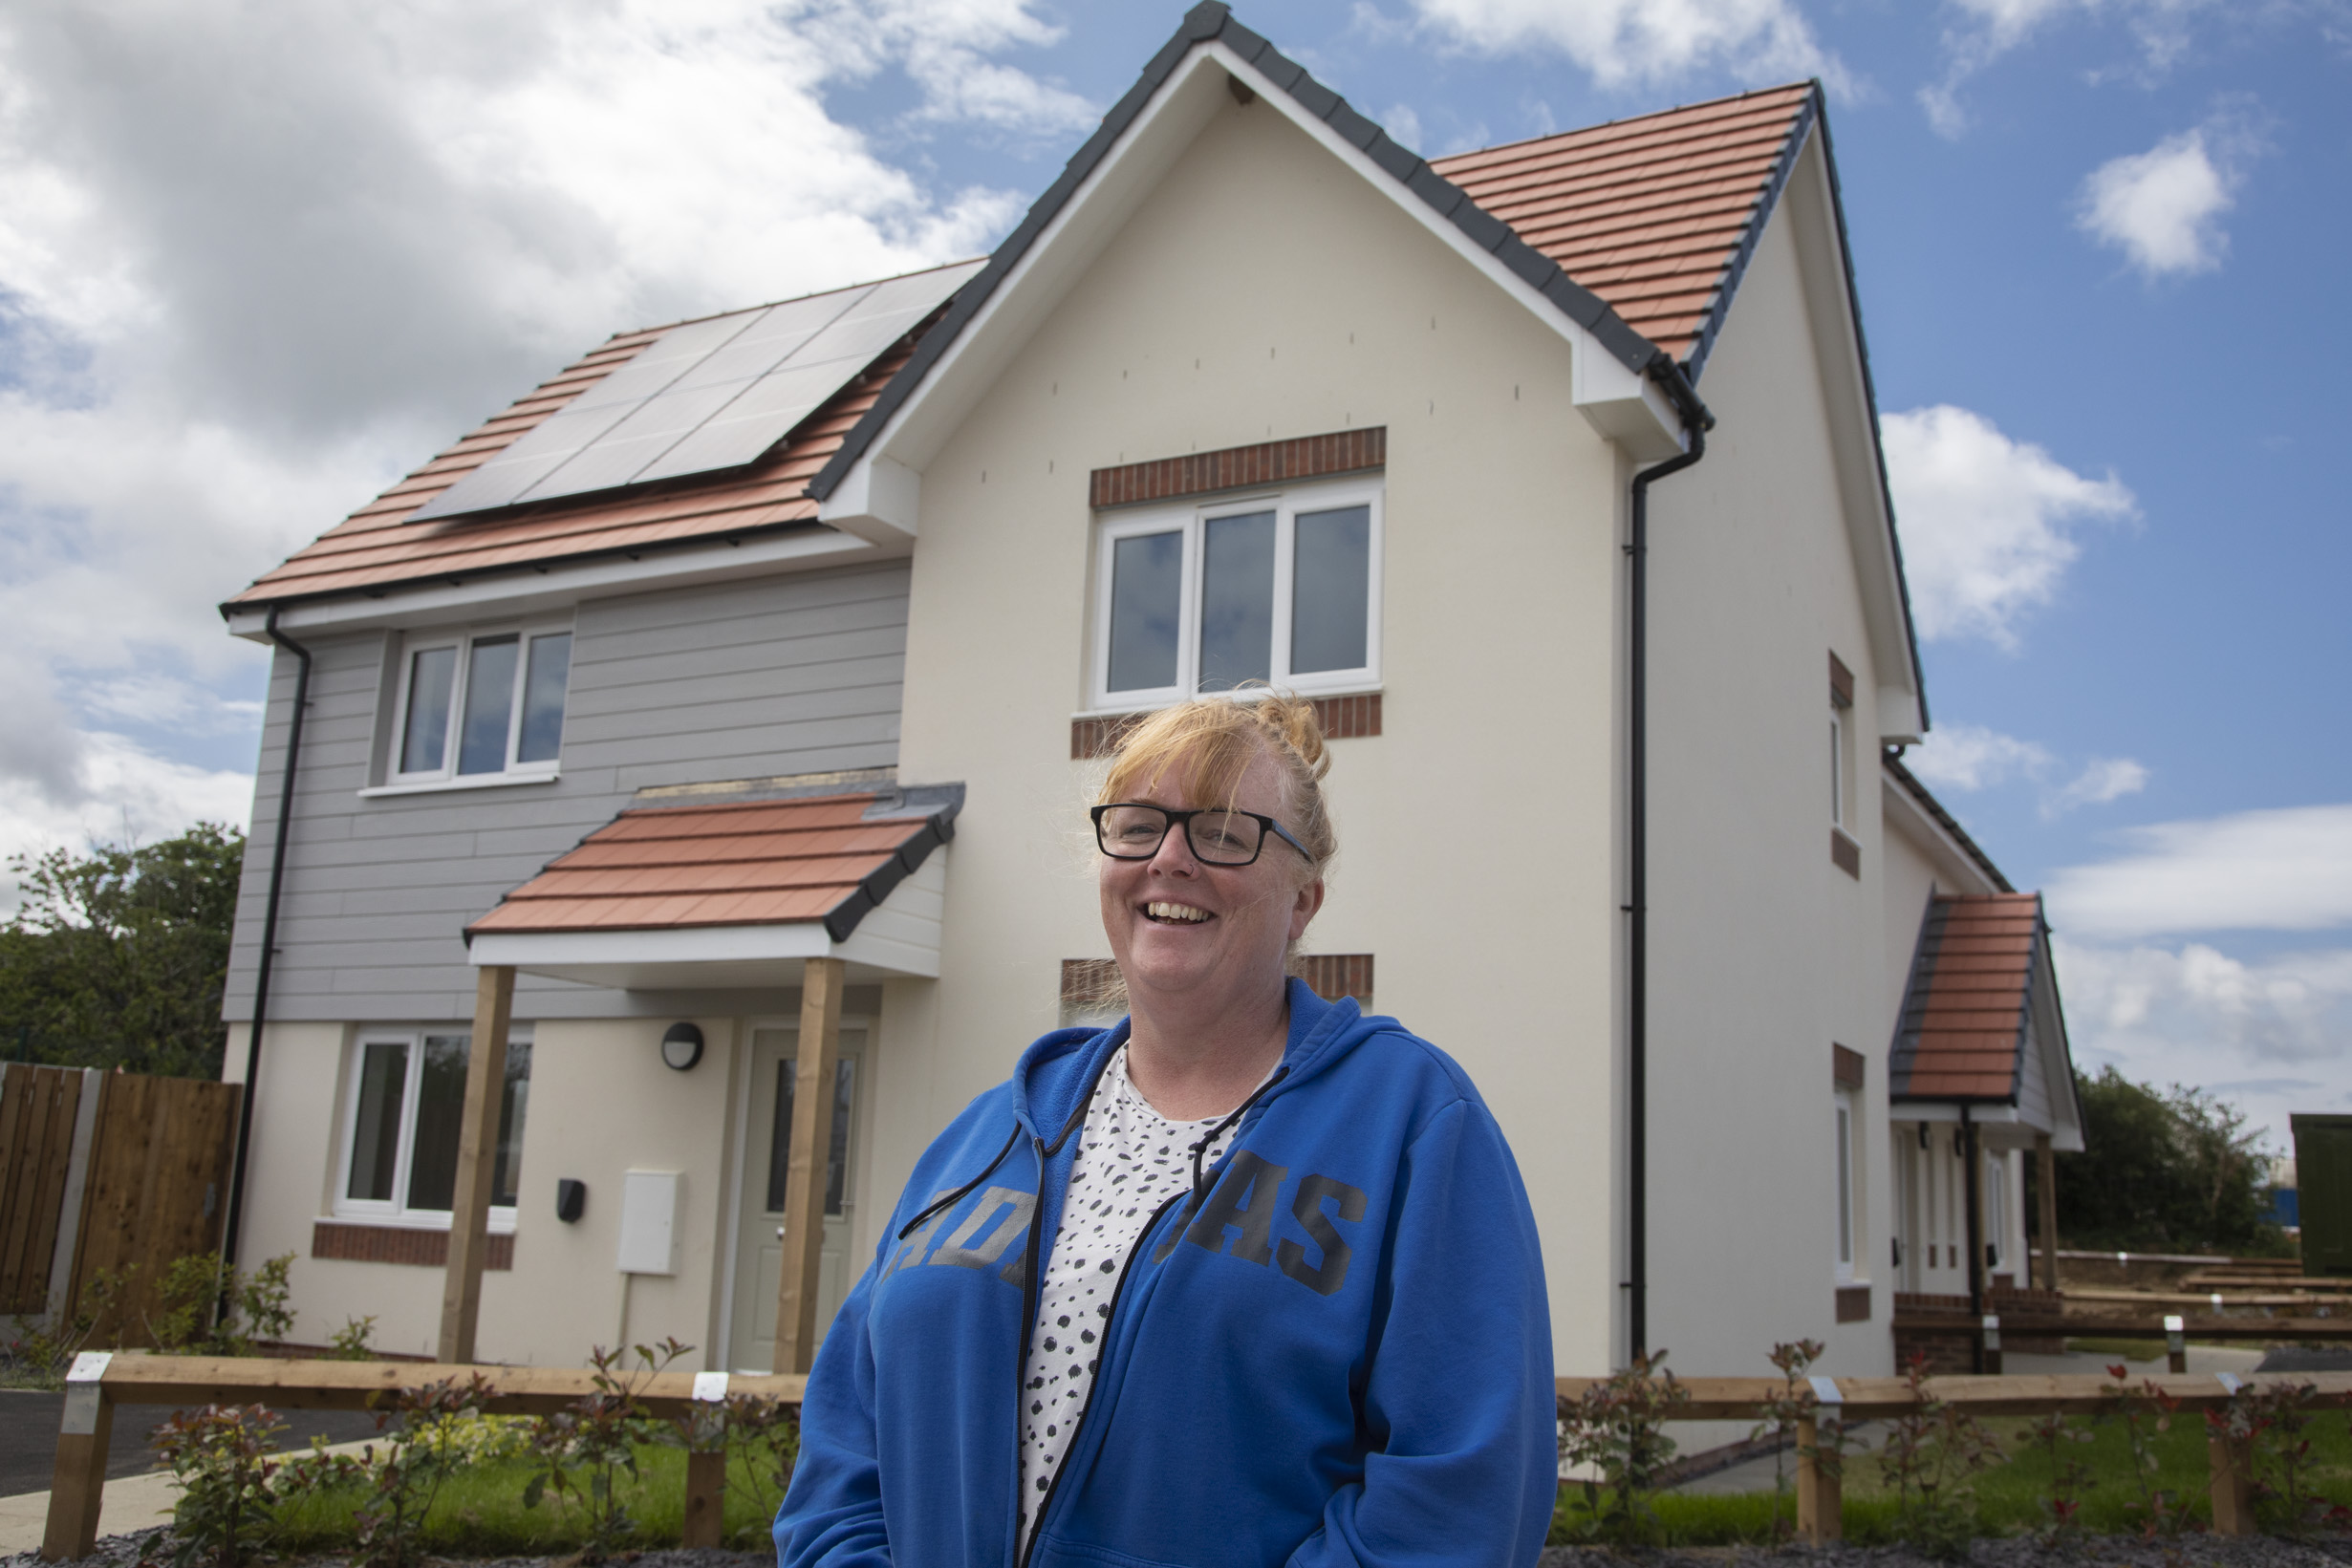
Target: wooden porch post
{"x":797,"y":1328}
{"x":1971,"y":1177}
{"x":469,"y":1217}
{"x":2045,"y":1173}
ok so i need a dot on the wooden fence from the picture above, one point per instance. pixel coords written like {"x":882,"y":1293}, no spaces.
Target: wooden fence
{"x":113,"y":1171}
{"x":1819,"y":1492}
{"x":98,"y":1382}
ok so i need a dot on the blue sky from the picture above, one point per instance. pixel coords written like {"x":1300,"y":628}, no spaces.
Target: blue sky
{"x":255,"y":263}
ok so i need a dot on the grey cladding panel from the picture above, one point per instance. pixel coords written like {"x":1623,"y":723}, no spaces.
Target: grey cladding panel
{"x":797,"y":672}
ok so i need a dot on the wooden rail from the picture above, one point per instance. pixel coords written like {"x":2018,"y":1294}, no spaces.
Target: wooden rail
{"x":2197,"y":1326}
{"x":98,"y":1382}
{"x":1819,"y":1492}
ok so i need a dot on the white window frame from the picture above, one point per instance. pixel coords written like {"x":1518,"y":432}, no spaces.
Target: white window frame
{"x":1846,"y":1124}
{"x":1192,"y":520}
{"x":394,"y":1210}
{"x":448,"y":776}
{"x":1837,"y":767}
{"x":1996,"y":1209}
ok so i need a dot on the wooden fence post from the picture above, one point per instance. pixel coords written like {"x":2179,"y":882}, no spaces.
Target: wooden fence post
{"x":469,"y":1219}
{"x":2232,"y":1462}
{"x":79,"y":1485}
{"x":797,"y":1328}
{"x":2175,"y":1344}
{"x":1820,"y":1492}
{"x":706,"y":1472}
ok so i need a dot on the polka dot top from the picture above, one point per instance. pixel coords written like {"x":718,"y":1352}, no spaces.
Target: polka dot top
{"x":1131,"y":1160}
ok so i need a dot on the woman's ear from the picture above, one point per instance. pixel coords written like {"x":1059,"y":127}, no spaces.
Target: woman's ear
{"x":1302,"y":908}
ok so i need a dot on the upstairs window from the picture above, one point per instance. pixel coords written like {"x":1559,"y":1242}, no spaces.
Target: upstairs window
{"x":403,"y":1118}
{"x":482,"y":705}
{"x":1282,"y":589}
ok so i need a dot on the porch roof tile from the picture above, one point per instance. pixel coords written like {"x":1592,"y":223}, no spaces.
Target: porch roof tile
{"x":1962,"y":1034}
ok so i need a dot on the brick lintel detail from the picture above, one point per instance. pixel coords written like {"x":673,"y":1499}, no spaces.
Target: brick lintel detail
{"x":364,"y":1243}
{"x":1236,"y":468}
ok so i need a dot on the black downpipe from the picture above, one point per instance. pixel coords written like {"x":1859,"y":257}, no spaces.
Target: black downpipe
{"x":269,"y":933}
{"x":1695,"y":422}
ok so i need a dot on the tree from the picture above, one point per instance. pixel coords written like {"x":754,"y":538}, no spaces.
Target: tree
{"x":117,"y":958}
{"x":2174,"y":1170}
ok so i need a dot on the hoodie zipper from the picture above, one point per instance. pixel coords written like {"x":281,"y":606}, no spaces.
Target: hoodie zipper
{"x":1078,"y":1428}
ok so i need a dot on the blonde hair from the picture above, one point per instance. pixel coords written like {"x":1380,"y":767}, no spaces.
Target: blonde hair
{"x":1220,"y":736}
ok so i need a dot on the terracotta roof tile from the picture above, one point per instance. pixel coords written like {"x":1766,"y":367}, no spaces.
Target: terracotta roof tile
{"x":734,"y":863}
{"x":1629,"y":207}
{"x":1962,"y":1032}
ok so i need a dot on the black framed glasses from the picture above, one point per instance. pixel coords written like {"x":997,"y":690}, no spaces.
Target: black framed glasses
{"x":1130,"y":830}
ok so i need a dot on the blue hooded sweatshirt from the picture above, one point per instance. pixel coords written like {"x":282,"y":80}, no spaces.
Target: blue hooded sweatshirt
{"x":1334,"y":1350}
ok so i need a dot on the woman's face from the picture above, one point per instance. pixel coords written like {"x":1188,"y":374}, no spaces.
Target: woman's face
{"x":1210,"y":932}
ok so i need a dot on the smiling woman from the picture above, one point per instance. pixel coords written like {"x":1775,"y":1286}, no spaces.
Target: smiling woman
{"x":1257,"y":1270}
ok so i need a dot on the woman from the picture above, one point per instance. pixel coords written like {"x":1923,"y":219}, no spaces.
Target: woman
{"x":1247,"y":1279}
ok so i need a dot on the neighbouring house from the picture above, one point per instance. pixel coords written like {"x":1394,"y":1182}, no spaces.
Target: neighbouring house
{"x":685,"y":819}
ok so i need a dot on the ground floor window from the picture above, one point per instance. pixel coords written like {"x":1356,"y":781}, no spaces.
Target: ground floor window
{"x":1845,"y":1156}
{"x":405,"y":1102}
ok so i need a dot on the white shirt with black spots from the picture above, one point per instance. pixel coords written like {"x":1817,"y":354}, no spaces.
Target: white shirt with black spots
{"x":1131,"y":1160}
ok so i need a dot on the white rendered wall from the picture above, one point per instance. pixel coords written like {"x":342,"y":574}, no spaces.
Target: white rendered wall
{"x":1500,"y":653}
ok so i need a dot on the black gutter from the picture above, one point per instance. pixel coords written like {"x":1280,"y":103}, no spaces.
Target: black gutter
{"x":268,"y":935}
{"x":1695,"y":422}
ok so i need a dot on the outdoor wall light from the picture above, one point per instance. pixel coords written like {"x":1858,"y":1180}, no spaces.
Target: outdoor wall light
{"x":570,"y":1199}
{"x":682,"y":1046}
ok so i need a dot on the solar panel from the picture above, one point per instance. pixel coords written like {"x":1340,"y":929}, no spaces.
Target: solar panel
{"x":706,"y":394}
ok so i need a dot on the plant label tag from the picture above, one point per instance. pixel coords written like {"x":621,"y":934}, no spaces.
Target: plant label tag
{"x":2229,"y":1382}
{"x":1825,"y":1390}
{"x":711,"y":1388}
{"x":89,"y":1366}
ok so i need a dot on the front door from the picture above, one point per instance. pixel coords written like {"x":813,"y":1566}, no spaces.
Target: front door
{"x":767,"y":1154}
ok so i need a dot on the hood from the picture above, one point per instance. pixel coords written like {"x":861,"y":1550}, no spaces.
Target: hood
{"x":1056,"y":1075}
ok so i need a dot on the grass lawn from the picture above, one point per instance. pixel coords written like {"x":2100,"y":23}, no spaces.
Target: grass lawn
{"x":2011,"y":1496}
{"x":480,"y":1511}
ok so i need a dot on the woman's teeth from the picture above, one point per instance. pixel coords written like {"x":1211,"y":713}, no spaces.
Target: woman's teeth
{"x":1184,"y":912}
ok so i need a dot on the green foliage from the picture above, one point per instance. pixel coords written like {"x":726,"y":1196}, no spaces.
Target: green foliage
{"x":230,"y":1488}
{"x":2055,"y":1437}
{"x":117,"y":959}
{"x":352,"y":1341}
{"x":400,"y":1478}
{"x":1793,"y":1402}
{"x":1616,"y":1432}
{"x":2271,"y":1424}
{"x":2146,"y":1414}
{"x":2174,"y":1170}
{"x":210,"y":1309}
{"x":1931,"y":1453}
{"x":37,"y":1357}
{"x":587,"y":1448}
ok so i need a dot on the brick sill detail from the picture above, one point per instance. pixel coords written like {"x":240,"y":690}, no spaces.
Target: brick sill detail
{"x":1853,"y":1303}
{"x":349,"y":1243}
{"x":1343,"y":718}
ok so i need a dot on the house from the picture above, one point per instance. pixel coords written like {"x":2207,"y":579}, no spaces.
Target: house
{"x":741,"y":686}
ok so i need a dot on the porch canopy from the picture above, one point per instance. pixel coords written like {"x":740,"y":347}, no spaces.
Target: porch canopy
{"x":720,"y":888}
{"x":760,"y":883}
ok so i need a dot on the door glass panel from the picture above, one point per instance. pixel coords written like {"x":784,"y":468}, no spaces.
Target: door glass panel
{"x":376,"y":1131}
{"x":542,"y":737}
{"x":425,"y":731}
{"x":1330,"y":590}
{"x":441,"y":1108}
{"x":489,"y":704}
{"x":1236,"y":601}
{"x":780,"y":1136}
{"x":1147,"y":589}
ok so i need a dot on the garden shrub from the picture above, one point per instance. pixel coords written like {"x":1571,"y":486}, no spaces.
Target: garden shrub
{"x":1930,"y":1452}
{"x":2146,"y":1413}
{"x":1617,"y":1429}
{"x":211,"y":1309}
{"x":586,"y":1449}
{"x":230,"y":1488}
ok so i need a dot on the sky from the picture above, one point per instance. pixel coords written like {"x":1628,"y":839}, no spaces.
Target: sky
{"x":257,"y":259}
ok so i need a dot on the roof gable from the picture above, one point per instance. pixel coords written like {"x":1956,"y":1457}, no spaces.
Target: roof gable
{"x":1980,"y":1023}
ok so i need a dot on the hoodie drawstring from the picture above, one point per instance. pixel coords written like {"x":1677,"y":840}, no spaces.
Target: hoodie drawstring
{"x":1218,"y":1130}
{"x":960,"y":1194}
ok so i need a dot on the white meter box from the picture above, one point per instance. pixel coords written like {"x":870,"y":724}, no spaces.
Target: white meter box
{"x":649,"y":1221}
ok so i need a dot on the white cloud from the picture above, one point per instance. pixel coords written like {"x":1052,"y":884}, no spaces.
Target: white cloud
{"x":1987,"y":522}
{"x":1969,"y":758}
{"x":252,"y":266}
{"x":1403,"y":125}
{"x":2284,"y":869}
{"x":1625,"y":43}
{"x":2193,"y":1014}
{"x":2162,"y":207}
{"x":1983,"y":31}
{"x":122,"y":793}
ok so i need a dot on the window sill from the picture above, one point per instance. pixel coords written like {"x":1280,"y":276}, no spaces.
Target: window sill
{"x":1345,"y":717}
{"x":344,"y":1241}
{"x":478,"y":781}
{"x":1845,"y":853}
{"x":502,"y":1220}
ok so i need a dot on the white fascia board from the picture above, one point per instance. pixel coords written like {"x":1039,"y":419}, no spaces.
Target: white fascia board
{"x":691,"y":957}
{"x":1808,"y":207}
{"x":509,"y":591}
{"x":2057,"y":1063}
{"x":1908,"y":817}
{"x":1619,"y":404}
{"x":879,"y":500}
